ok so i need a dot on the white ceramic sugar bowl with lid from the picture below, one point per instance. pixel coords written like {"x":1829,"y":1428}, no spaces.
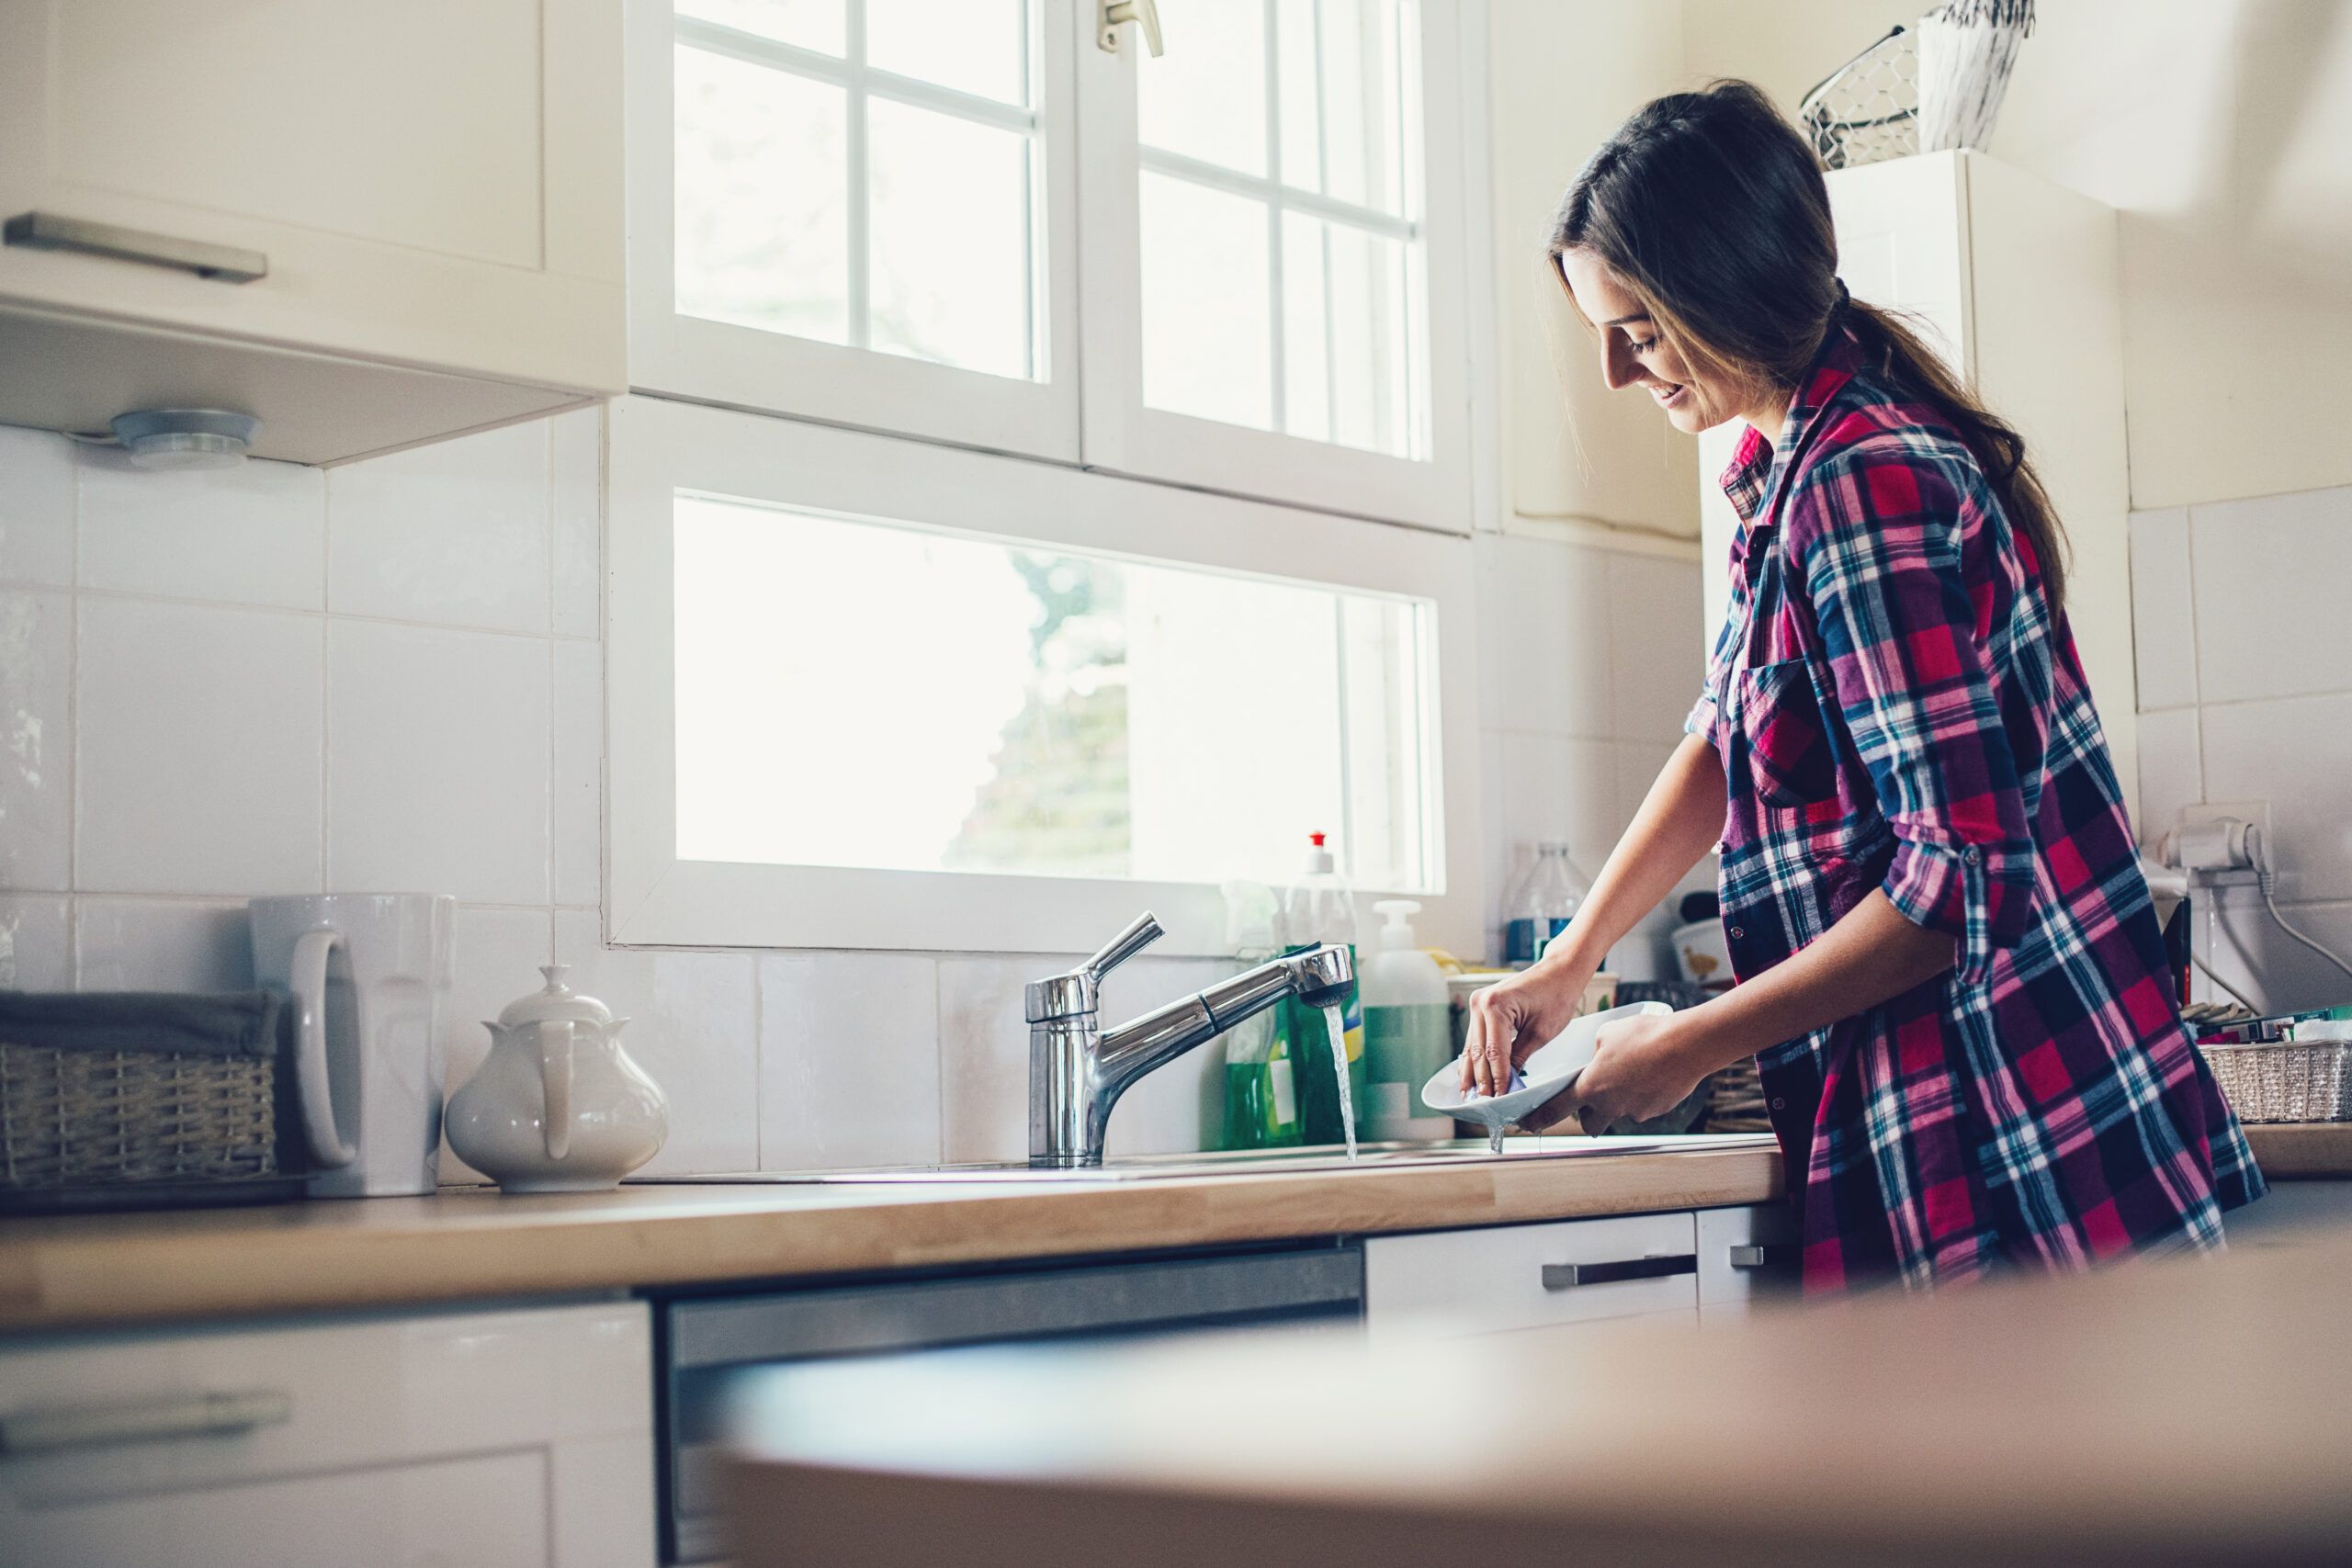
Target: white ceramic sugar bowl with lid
{"x":556,"y":1106}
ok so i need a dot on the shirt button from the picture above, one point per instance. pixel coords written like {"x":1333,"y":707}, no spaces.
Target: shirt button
{"x":1972,"y":854}
{"x":1780,"y":1104}
{"x":1736,"y":933}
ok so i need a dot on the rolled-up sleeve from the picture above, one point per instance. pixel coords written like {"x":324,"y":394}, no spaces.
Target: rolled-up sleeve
{"x":1878,"y":531}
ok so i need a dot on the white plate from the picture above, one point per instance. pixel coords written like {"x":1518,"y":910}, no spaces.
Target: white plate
{"x":1548,"y":1071}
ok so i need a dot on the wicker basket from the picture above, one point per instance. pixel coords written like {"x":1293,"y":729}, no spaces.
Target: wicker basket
{"x":2284,"y":1081}
{"x":74,"y":1116}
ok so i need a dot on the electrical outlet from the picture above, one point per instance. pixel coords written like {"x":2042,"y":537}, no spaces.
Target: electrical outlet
{"x":2255,"y":813}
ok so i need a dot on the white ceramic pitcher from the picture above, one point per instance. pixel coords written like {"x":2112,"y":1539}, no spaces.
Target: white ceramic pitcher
{"x":368,"y":975}
{"x":556,"y":1106}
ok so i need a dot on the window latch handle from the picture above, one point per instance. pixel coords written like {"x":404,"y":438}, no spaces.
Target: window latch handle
{"x":1145,"y":13}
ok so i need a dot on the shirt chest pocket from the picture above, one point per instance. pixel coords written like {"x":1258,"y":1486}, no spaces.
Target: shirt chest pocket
{"x":1779,"y":715}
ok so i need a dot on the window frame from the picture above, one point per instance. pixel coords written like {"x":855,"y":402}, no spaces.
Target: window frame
{"x":1123,"y":434}
{"x":732,"y":366}
{"x":658,"y":447}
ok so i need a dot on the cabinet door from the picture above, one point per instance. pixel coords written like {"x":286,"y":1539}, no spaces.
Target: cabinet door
{"x":508,"y":1437}
{"x":1518,"y":1277}
{"x":435,"y":183}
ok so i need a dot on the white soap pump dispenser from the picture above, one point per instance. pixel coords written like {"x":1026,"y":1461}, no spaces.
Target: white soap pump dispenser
{"x":1408,"y":1028}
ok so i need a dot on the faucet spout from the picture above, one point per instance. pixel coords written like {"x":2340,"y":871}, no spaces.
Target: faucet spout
{"x":1077,"y":1071}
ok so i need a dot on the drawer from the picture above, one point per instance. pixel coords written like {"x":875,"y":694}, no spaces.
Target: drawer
{"x":1745,"y":1254}
{"x":1530,"y":1276}
{"x":168,"y":1439}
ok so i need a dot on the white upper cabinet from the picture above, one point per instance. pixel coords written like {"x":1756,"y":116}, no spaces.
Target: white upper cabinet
{"x":431,"y":193}
{"x":2019,"y":281}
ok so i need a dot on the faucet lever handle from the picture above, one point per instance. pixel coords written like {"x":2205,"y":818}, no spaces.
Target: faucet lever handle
{"x":1141,"y":932}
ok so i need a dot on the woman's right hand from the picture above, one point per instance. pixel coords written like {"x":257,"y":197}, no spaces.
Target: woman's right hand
{"x":1513,"y":1018}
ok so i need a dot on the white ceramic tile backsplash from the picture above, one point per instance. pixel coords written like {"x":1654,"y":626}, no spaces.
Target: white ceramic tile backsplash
{"x":197,"y":748}
{"x":2164,"y":633}
{"x":2270,"y":574}
{"x":2170,"y":776}
{"x":575,"y":803}
{"x":1544,"y":636}
{"x":692,"y":1026}
{"x":251,"y":535}
{"x":2264,"y":714}
{"x":455,"y":533}
{"x":576,"y":541}
{"x":153,"y":944}
{"x":437,"y":761}
{"x":849,"y":1060}
{"x":426,"y":712}
{"x":1657,"y":650}
{"x":36,"y":739}
{"x":36,"y":942}
{"x":2292,"y":754}
{"x":36,"y":508}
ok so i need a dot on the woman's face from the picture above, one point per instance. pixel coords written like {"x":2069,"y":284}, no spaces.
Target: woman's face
{"x":1634,"y":355}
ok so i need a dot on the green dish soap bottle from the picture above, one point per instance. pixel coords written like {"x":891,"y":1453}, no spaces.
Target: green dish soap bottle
{"x":1260,"y":1090}
{"x":1408,"y":1029}
{"x":1321,"y":909}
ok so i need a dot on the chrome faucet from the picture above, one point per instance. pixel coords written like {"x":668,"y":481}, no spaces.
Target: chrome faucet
{"x":1077,"y":1070}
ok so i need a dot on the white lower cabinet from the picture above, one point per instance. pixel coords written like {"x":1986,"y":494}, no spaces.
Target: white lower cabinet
{"x":1746,"y":1255}
{"x":442,"y":1438}
{"x":1521,"y":1278}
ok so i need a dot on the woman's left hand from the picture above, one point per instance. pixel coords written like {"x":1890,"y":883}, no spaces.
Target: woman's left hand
{"x":1641,"y":1067}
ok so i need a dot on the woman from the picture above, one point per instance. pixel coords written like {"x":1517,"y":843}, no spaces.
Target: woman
{"x":1952,"y":977}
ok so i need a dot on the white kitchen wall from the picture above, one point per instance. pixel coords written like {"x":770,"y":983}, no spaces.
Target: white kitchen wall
{"x":2245,"y":696}
{"x":1589,"y":660}
{"x":387,"y":677}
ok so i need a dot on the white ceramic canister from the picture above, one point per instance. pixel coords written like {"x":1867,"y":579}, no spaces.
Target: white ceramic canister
{"x":556,"y":1106}
{"x":368,"y":975}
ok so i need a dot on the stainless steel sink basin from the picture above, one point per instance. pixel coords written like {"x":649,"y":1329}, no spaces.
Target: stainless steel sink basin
{"x":1244,"y":1162}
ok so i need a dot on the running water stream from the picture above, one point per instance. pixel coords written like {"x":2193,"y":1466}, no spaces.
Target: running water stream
{"x":1332,"y":1022}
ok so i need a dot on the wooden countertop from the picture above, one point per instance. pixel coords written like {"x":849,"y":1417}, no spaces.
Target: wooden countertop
{"x":2172,"y":1412}
{"x":2294,"y":1150}
{"x":476,"y":1243}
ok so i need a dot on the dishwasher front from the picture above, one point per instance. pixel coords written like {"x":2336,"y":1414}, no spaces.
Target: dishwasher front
{"x":705,"y":1341}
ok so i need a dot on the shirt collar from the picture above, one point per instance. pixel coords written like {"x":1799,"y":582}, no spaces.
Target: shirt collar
{"x":1757,"y":464}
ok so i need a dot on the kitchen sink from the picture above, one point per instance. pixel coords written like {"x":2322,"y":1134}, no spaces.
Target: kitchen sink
{"x":1242,"y":1162}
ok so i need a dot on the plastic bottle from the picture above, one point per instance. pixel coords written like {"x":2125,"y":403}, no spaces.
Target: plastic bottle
{"x":1319,"y":908}
{"x":1408,"y":1029}
{"x":1543,"y":903}
{"x":1259,"y":1096}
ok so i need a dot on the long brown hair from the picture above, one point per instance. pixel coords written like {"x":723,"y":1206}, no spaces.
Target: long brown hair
{"x":1711,"y":208}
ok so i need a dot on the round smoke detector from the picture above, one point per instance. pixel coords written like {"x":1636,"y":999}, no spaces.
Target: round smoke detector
{"x":185,"y":438}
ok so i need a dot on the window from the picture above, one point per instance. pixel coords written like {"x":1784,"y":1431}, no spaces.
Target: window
{"x":859,"y":211}
{"x":867,"y":213}
{"x":874,"y":694}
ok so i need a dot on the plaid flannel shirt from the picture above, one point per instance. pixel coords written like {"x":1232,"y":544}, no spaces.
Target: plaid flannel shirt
{"x":1895,"y":710}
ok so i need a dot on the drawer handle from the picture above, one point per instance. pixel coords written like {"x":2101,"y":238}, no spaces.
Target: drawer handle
{"x":48,"y":231}
{"x":1567,"y":1276}
{"x":1763,"y":1257}
{"x":100,"y":1425}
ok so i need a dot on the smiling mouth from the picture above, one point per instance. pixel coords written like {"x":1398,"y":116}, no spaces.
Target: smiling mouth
{"x":1669,"y":396}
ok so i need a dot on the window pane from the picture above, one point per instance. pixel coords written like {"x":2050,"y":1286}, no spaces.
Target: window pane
{"x":810,"y":24}
{"x":1349,"y":339}
{"x":1348,"y":70}
{"x":978,"y":46}
{"x":1098,"y":717}
{"x":1207,"y":97}
{"x":762,"y":231}
{"x":1208,"y":340}
{"x":951,"y":273}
